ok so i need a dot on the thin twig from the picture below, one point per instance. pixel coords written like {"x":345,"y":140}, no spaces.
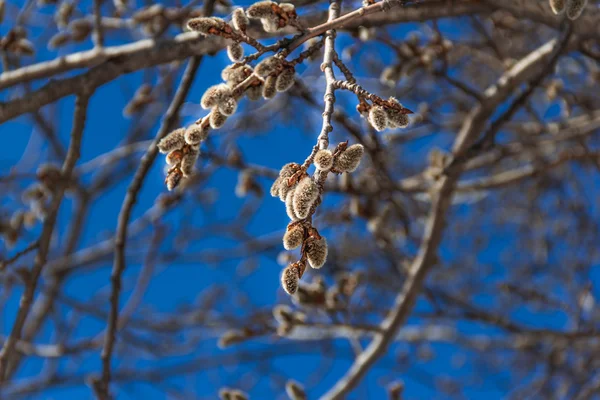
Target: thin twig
{"x":125,"y":214}
{"x":73,"y":153}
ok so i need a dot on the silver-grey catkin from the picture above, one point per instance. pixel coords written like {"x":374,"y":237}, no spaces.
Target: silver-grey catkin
{"x":575,"y":8}
{"x":323,"y":160}
{"x":173,"y":179}
{"x":285,"y":80}
{"x":378,"y":118}
{"x":316,"y":252}
{"x":217,"y":118}
{"x":293,"y":237}
{"x":228,"y":106}
{"x":269,"y":88}
{"x":58,"y":40}
{"x":290,"y":278}
{"x":188,"y":162}
{"x":196,"y":133}
{"x":260,"y":9}
{"x":289,"y":205}
{"x":239,"y":19}
{"x":294,"y":390}
{"x":235,"y":52}
{"x":174,"y":140}
{"x":234,"y":76}
{"x":270,"y":24}
{"x":214,"y":95}
{"x":305,"y":195}
{"x":288,"y":7}
{"x":275,"y":187}
{"x":267,"y":66}
{"x":285,"y":173}
{"x":396,"y":119}
{"x":349,"y":160}
{"x":558,"y":6}
{"x":254,"y":92}
{"x":204,"y":24}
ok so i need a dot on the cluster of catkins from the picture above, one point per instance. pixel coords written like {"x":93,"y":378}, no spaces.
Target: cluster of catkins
{"x":271,"y":75}
{"x":301,"y":194}
{"x":388,"y":116}
{"x":572,"y":8}
{"x":273,"y":16}
{"x":182,"y":147}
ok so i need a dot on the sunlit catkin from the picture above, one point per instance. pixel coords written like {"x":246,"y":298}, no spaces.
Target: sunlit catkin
{"x":174,"y":157}
{"x":228,"y":106}
{"x":217,"y":119}
{"x":396,"y":119}
{"x":239,"y":19}
{"x":214,"y":95}
{"x":290,"y":278}
{"x":305,"y":195}
{"x":289,"y":205}
{"x":205,"y":24}
{"x":323,"y":160}
{"x":196,"y":133}
{"x":174,"y":140}
{"x":285,"y":80}
{"x":558,"y":6}
{"x":234,"y":76}
{"x":235,"y":52}
{"x":316,"y":252}
{"x":260,"y":9}
{"x":267,"y":66}
{"x":350,"y":158}
{"x":294,"y":390}
{"x":293,"y":236}
{"x":378,"y":118}
{"x":188,"y":161}
{"x":575,"y":8}
{"x":269,"y":88}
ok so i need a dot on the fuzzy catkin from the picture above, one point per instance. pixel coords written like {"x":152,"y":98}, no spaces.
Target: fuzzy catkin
{"x":323,"y":160}
{"x":217,"y":118}
{"x":294,"y":390}
{"x":172,"y":141}
{"x":316,"y":252}
{"x":350,"y":158}
{"x":305,"y":195}
{"x":235,"y":52}
{"x":285,"y":173}
{"x":285,"y":80}
{"x":214,"y":95}
{"x":575,"y":8}
{"x":396,"y":119}
{"x":228,"y":106}
{"x":378,"y":118}
{"x":290,"y":278}
{"x":260,"y":9}
{"x":239,"y":19}
{"x":267,"y":66}
{"x":196,"y":133}
{"x":270,"y":24}
{"x":275,"y":187}
{"x":254,"y":92}
{"x":173,"y":179}
{"x":293,"y":237}
{"x":188,"y":162}
{"x":269,"y":88}
{"x":289,"y":205}
{"x":558,"y":6}
{"x":234,"y":76}
{"x":204,"y":24}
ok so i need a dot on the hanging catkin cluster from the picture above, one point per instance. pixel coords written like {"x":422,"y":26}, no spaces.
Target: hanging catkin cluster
{"x":390,"y":115}
{"x":273,"y":16}
{"x":271,"y":75}
{"x":572,"y":8}
{"x":301,"y":194}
